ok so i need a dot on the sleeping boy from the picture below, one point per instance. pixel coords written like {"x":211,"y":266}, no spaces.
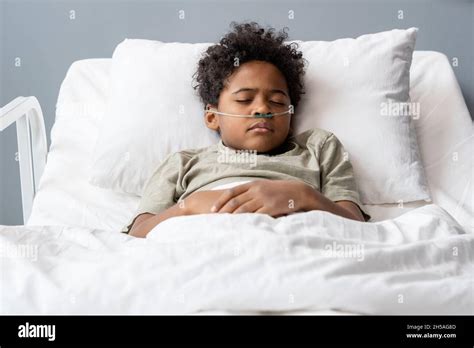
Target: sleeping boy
{"x":251,"y":83}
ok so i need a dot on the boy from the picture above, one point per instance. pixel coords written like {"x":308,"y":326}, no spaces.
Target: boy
{"x":251,"y":83}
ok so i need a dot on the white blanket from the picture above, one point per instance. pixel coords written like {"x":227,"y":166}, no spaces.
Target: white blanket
{"x":418,"y":263}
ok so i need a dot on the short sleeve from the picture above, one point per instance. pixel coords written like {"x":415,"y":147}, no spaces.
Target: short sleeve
{"x":160,"y":190}
{"x":337,"y":175}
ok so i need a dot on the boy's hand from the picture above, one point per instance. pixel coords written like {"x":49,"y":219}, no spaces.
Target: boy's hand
{"x":200,"y":202}
{"x":272,"y":197}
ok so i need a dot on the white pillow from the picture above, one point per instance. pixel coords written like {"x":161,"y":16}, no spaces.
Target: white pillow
{"x":152,"y":110}
{"x":358,"y":89}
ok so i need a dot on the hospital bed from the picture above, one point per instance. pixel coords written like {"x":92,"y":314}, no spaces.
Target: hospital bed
{"x":63,"y":211}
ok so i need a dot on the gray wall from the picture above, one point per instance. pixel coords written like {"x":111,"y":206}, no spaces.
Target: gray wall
{"x":42,"y":34}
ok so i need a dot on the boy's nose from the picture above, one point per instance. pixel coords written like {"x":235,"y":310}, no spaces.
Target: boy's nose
{"x":262,"y":111}
{"x":263,"y":115}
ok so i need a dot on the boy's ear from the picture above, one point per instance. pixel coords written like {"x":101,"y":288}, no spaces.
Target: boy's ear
{"x":211,"y":119}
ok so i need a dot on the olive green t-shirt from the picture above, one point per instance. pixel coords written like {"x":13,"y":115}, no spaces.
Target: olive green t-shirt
{"x":316,"y":157}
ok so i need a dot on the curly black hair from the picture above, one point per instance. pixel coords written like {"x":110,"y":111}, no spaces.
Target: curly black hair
{"x":249,"y":41}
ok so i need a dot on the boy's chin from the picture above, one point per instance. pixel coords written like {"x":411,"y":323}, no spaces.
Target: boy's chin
{"x":261,"y":145}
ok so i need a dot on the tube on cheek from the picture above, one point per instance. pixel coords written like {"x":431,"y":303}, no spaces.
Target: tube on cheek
{"x":288,"y":112}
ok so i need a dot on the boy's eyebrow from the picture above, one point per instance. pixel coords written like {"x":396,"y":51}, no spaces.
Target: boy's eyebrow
{"x":254,"y":89}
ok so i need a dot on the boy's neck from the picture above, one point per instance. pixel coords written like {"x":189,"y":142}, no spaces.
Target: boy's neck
{"x":282,"y":148}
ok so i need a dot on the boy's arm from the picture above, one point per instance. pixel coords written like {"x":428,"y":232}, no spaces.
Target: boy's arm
{"x":272,"y":196}
{"x":197,"y":203}
{"x":202,"y":201}
{"x":352,"y":208}
{"x":317,"y":201}
{"x":144,"y":223}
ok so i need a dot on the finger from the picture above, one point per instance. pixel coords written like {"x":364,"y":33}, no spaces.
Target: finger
{"x":235,"y":203}
{"x":264,"y":210}
{"x":227,"y":195}
{"x":248,"y":207}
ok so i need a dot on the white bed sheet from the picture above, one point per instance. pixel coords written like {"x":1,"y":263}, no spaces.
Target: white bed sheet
{"x":66,"y":198}
{"x":419,"y":263}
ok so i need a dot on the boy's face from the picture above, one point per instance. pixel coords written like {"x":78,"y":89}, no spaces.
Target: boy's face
{"x":255,"y":87}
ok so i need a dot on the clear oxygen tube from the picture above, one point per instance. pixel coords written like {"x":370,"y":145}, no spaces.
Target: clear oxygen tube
{"x":289,"y":112}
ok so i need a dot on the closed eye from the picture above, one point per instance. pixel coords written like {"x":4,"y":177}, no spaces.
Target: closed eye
{"x":248,"y":101}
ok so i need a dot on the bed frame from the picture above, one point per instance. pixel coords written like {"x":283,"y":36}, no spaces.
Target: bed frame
{"x":32,"y":145}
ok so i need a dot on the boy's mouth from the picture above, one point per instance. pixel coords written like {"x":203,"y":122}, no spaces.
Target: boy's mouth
{"x":261,"y":127}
